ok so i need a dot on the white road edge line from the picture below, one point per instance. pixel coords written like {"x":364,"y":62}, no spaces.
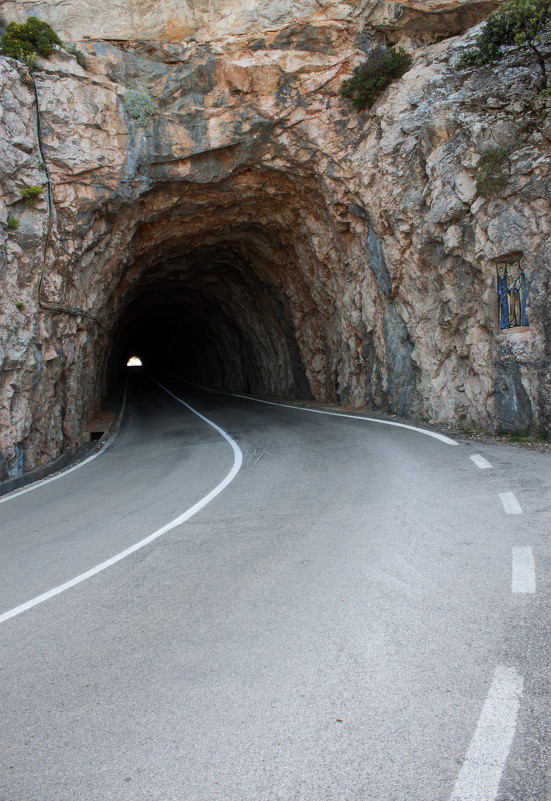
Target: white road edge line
{"x":487,"y":754}
{"x":523,"y":570}
{"x":510,"y":503}
{"x":237,"y":462}
{"x":434,"y":434}
{"x":480,"y":461}
{"x":43,"y":481}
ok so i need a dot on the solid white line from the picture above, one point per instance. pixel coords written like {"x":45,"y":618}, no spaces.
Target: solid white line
{"x":237,"y":461}
{"x":43,"y":481}
{"x":433,"y":434}
{"x":510,"y":503}
{"x":480,"y":774}
{"x":524,"y":570}
{"x":480,"y":461}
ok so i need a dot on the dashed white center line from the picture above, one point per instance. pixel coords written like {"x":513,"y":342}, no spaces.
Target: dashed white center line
{"x":480,"y":774}
{"x":480,"y":461}
{"x":510,"y":503}
{"x":524,"y":570}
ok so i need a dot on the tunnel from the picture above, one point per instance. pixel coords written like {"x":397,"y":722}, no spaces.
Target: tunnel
{"x":223,"y":285}
{"x":210,"y":317}
{"x":249,"y":280}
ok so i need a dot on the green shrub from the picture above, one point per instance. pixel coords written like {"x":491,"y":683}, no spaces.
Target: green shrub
{"x":28,"y":40}
{"x":491,"y":175}
{"x":30,"y":194}
{"x":371,"y":78}
{"x":29,"y":59}
{"x":20,"y":305}
{"x":140,"y":106}
{"x":517,"y":23}
{"x":13,"y":223}
{"x":78,"y":54}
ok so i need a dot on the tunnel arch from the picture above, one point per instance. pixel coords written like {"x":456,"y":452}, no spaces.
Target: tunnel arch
{"x":208,"y":315}
{"x":235,"y":285}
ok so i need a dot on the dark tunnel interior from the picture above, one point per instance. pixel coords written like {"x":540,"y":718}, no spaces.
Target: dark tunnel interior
{"x":212,"y":318}
{"x":232,"y":285}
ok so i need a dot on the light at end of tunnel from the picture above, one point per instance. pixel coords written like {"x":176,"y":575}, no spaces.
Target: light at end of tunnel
{"x":134,"y":361}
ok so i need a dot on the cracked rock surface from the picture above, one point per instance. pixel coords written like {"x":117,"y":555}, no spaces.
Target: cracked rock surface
{"x":260,"y":235}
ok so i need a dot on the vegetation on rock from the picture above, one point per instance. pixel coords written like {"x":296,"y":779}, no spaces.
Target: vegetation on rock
{"x":26,"y":78}
{"x":28,"y":40}
{"x":78,"y":54}
{"x":491,"y":176}
{"x":30,"y":194}
{"x":140,"y":106}
{"x":13,"y":223}
{"x":371,"y":78}
{"x":516,"y":23}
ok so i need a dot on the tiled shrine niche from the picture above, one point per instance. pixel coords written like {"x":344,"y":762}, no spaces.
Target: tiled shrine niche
{"x":511,"y":293}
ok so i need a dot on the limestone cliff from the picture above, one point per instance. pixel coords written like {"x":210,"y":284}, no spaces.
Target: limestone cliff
{"x":172,"y":21}
{"x":272,"y":239}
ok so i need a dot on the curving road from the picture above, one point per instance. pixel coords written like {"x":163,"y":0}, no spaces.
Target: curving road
{"x":359,"y":611}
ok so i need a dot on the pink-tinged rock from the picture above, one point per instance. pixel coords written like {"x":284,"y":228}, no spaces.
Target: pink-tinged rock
{"x":326,"y":253}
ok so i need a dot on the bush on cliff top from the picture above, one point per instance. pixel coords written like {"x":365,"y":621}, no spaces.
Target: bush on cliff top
{"x":517,"y":23}
{"x":28,"y":40}
{"x":371,"y":78}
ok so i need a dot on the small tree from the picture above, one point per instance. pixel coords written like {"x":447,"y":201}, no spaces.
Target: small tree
{"x":517,"y":23}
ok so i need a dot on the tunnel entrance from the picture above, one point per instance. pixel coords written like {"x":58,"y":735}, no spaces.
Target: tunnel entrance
{"x":211,"y":316}
{"x":240,"y":277}
{"x":233,"y":286}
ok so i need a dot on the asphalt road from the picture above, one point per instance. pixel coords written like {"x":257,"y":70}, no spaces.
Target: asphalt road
{"x":361,"y":613}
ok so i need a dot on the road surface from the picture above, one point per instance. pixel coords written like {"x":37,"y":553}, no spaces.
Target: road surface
{"x":337,"y":610}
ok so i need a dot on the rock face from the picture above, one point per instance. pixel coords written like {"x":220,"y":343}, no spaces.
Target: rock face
{"x":411,"y":21}
{"x":172,"y":21}
{"x":257,"y":234}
